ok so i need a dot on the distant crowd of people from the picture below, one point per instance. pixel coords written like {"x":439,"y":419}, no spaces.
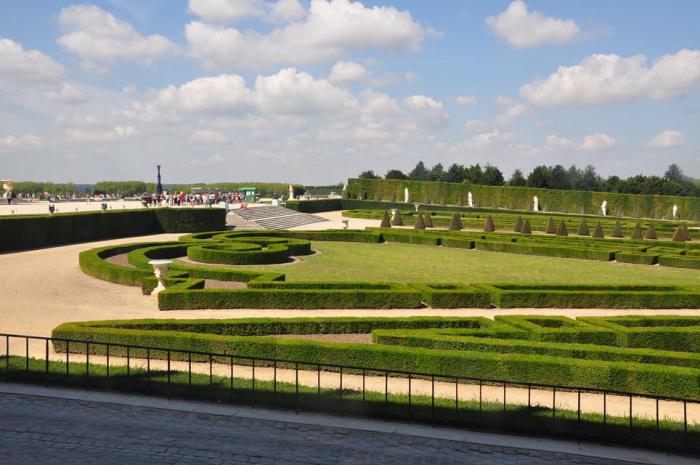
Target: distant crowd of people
{"x":15,"y":197}
{"x":193,"y":199}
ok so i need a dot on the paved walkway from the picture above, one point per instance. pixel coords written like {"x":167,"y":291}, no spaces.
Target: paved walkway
{"x":49,"y":430}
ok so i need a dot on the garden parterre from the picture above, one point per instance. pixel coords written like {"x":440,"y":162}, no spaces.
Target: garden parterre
{"x":268,"y":288}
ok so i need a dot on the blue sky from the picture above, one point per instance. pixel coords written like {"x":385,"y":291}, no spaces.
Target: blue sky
{"x":315,"y":92}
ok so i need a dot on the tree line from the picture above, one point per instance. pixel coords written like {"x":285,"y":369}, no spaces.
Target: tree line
{"x":673,"y":182}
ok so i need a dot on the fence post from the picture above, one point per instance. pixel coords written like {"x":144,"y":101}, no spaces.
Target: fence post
{"x":7,"y":352}
{"x":631,"y":416}
{"x":363,"y":385}
{"x":386,"y":393}
{"x":108,"y":361}
{"x":657,"y":421}
{"x":253,"y":385}
{"x":456,"y":398}
{"x":67,"y":358}
{"x":148,"y":366}
{"x":318,"y":382}
{"x":87,"y":363}
{"x":341,"y":388}
{"x":231,"y":383}
{"x":409,"y":391}
{"x":296,"y":393}
{"x":189,"y":371}
{"x":168,"y":374}
{"x":685,"y":425}
{"x":26,"y":347}
{"x":432,"y":400}
{"x":274,"y":383}
{"x":46,"y":365}
{"x":605,"y":408}
{"x":578,"y":414}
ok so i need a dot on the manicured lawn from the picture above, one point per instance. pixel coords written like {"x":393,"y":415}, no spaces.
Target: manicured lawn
{"x":352,"y":261}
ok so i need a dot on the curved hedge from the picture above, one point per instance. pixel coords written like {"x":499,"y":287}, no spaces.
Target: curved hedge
{"x":20,"y":232}
{"x":239,"y":254}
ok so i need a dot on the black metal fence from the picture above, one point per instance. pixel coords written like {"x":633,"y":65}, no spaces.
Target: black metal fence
{"x":485,"y":404}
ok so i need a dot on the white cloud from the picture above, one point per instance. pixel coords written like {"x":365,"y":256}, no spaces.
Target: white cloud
{"x":501,"y":100}
{"x":99,"y":38}
{"x":205,"y":135}
{"x":603,"y":79}
{"x":16,"y":63}
{"x":666,"y":139}
{"x":490,"y":139}
{"x":596,"y":141}
{"x":330,"y":30}
{"x":475,"y":125}
{"x":285,"y":11}
{"x":101,"y":135}
{"x":11,"y":142}
{"x":226,"y":10}
{"x":410,"y":77}
{"x":349,"y":72}
{"x":429,"y":112}
{"x":466,"y":100}
{"x":554,"y":142}
{"x":524,"y":29}
{"x":511,"y":114}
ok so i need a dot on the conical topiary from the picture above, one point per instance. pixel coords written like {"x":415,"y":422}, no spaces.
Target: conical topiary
{"x":637,"y":232}
{"x":456,"y":223}
{"x":386,"y":220}
{"x":679,"y":234}
{"x":526,"y":229}
{"x":583,"y":228}
{"x":420,"y":224}
{"x":598,"y":231}
{"x":687,"y":232}
{"x":617,"y":230}
{"x":488,"y":224}
{"x":651,"y":232}
{"x":551,"y":228}
{"x":397,"y":220}
{"x":428,"y":220}
{"x":518,"y":224}
{"x":561,"y":230}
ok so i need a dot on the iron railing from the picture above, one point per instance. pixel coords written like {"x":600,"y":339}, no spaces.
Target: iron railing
{"x":670,"y":423}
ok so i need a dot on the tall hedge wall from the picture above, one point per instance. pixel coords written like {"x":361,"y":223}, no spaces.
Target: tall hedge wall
{"x":520,"y":198}
{"x":20,"y":232}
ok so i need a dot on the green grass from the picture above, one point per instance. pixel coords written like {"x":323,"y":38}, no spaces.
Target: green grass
{"x":352,"y":261}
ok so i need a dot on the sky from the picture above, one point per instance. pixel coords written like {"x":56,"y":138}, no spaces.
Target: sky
{"x":316,"y":91}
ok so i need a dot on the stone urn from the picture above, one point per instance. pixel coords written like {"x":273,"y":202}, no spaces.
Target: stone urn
{"x":160,"y":269}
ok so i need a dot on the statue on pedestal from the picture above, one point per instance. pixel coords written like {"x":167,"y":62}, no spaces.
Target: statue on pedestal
{"x":470,"y":200}
{"x":604,"y":208}
{"x":535,"y":204}
{"x":291,"y":192}
{"x":406,"y":196}
{"x":675,"y":212}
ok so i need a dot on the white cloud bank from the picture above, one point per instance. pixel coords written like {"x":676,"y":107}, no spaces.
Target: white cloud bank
{"x":99,"y":38}
{"x":328,"y":30}
{"x":602,"y":79}
{"x":591,"y":143}
{"x":229,"y":11}
{"x":12,"y":142}
{"x":524,"y":29}
{"x":666,"y":139}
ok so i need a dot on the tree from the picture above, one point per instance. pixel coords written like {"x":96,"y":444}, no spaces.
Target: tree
{"x":397,"y":220}
{"x":428,"y":220}
{"x":598,"y":231}
{"x":395,"y":174}
{"x":455,"y":173}
{"x":488,"y":224}
{"x":651,"y":232}
{"x":617,"y":230}
{"x":559,"y":178}
{"x":589,"y":180}
{"x":474,"y":174}
{"x":518,"y":224}
{"x":561,"y":229}
{"x":550,"y":228}
{"x":437,"y":173}
{"x":369,"y":174}
{"x":419,"y":173}
{"x":527,"y":229}
{"x":492,"y":176}
{"x":674,"y":173}
{"x":583,"y":228}
{"x":637,"y":232}
{"x":517,"y":179}
{"x":540,"y":177}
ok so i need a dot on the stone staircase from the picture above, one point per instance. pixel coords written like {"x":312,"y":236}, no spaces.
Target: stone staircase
{"x":269,"y":218}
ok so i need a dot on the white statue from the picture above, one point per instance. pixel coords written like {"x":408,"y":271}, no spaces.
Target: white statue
{"x":291,"y":192}
{"x":406,"y":195}
{"x":535,"y":204}
{"x":393,"y":215}
{"x":470,"y":200}
{"x":160,"y":269}
{"x":604,"y":207}
{"x":345,"y":191}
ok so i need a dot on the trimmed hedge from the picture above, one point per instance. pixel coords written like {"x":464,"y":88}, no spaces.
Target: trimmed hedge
{"x":475,"y":347}
{"x":520,"y":198}
{"x":21,"y":232}
{"x":446,"y":295}
{"x":546,"y":250}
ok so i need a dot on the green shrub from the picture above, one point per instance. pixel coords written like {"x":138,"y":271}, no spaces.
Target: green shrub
{"x":427,"y":219}
{"x":583,"y":229}
{"x":397,"y":220}
{"x":617,"y":230}
{"x":456,"y":223}
{"x":446,"y":295}
{"x":637,"y":232}
{"x":561,"y":230}
{"x":518,"y":225}
{"x":551,"y":228}
{"x":420,"y":224}
{"x":679,"y":261}
{"x":598,"y":231}
{"x":488,"y":224}
{"x":526,"y":229}
{"x":651,"y":232}
{"x":386,"y":220}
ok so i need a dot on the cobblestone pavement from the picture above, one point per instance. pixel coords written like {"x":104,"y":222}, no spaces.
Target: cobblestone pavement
{"x":38,"y":430}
